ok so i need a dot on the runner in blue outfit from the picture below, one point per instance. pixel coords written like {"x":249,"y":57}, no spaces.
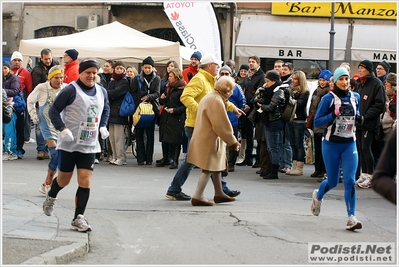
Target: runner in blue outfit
{"x":338,"y":112}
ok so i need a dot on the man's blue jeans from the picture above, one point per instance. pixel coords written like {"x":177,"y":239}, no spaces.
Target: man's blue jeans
{"x":286,"y":150}
{"x":273,"y":141}
{"x":184,"y":170}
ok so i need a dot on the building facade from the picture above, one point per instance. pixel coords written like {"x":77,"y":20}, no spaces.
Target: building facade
{"x":298,"y":32}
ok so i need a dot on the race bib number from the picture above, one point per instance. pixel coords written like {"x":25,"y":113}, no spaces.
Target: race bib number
{"x":88,"y":132}
{"x":344,"y":126}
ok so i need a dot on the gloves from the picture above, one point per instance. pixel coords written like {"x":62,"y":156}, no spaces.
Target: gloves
{"x":359,"y":119}
{"x":258,"y":100}
{"x":35,"y":119}
{"x":104,"y":132}
{"x":337,"y":111}
{"x":67,"y":135}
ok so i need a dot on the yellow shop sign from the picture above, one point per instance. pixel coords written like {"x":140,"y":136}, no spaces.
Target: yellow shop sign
{"x":360,"y":10}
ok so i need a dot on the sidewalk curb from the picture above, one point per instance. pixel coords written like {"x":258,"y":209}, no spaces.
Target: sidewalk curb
{"x":60,"y":255}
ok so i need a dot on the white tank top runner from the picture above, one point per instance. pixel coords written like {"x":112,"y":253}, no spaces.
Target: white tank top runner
{"x":83,"y":117}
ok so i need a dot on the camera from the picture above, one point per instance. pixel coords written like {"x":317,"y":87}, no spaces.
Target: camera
{"x":259,"y":95}
{"x":262,"y":92}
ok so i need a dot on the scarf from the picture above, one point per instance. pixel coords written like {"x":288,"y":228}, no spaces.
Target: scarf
{"x":285,"y":78}
{"x":240,"y":80}
{"x":320,"y":92}
{"x":148,"y":77}
{"x":178,"y":84}
{"x":116,"y":76}
{"x":295,"y":89}
{"x":252,"y":72}
{"x":340,"y":93}
{"x":270,"y":93}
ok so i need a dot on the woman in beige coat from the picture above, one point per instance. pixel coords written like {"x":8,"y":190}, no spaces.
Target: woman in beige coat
{"x":207,"y":148}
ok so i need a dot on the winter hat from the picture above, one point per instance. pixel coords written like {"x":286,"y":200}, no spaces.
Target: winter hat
{"x":244,"y":67}
{"x":148,"y":60}
{"x":7,"y":64}
{"x":325,"y":74}
{"x":273,"y":75}
{"x":85,"y":64}
{"x":16,"y":55}
{"x":210,"y":58}
{"x":225,"y":67}
{"x":197,"y":55}
{"x":391,"y":78}
{"x":340,"y":71}
{"x":367,"y":64}
{"x":72,"y":53}
{"x":385,"y":65}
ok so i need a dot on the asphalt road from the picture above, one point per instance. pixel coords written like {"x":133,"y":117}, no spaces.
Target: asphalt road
{"x":269,"y":223}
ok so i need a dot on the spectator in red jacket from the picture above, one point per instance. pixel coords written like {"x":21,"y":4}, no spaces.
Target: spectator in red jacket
{"x":71,"y":67}
{"x":193,"y":68}
{"x":23,"y":74}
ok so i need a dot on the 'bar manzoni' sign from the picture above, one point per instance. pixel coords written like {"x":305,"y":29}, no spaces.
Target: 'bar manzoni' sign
{"x":361,"y":10}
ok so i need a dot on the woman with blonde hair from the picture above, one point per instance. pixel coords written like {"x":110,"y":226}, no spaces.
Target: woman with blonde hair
{"x":296,"y":128}
{"x":131,"y":71}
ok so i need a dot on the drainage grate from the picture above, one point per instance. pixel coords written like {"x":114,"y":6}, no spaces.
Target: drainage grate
{"x":326,"y":196}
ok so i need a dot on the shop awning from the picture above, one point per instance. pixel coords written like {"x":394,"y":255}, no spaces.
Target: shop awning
{"x":374,"y":42}
{"x":289,"y":39}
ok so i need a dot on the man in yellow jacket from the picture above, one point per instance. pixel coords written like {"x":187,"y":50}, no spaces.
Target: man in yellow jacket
{"x":198,"y":87}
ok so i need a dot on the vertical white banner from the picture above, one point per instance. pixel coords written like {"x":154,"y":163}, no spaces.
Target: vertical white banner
{"x":196,"y":24}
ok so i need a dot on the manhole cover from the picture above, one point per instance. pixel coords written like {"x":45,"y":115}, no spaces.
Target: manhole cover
{"x":326,"y":196}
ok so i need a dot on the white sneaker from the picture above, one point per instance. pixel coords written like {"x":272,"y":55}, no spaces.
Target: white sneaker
{"x":365,"y":184}
{"x":119,"y":162}
{"x":316,"y":204}
{"x":30,"y":141}
{"x":96,"y":161}
{"x":353,"y":223}
{"x":48,"y":205}
{"x":12,"y":157}
{"x":361,"y":179}
{"x":112,"y":161}
{"x":80,"y":224}
{"x":44,"y":189}
{"x":5,"y":156}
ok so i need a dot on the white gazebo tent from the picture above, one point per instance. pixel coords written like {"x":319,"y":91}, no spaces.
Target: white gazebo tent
{"x":110,"y":41}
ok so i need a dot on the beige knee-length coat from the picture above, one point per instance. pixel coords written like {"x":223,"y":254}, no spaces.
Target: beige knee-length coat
{"x":212,"y":131}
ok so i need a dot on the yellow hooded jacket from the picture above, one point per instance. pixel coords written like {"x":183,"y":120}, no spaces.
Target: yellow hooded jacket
{"x":198,"y":87}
